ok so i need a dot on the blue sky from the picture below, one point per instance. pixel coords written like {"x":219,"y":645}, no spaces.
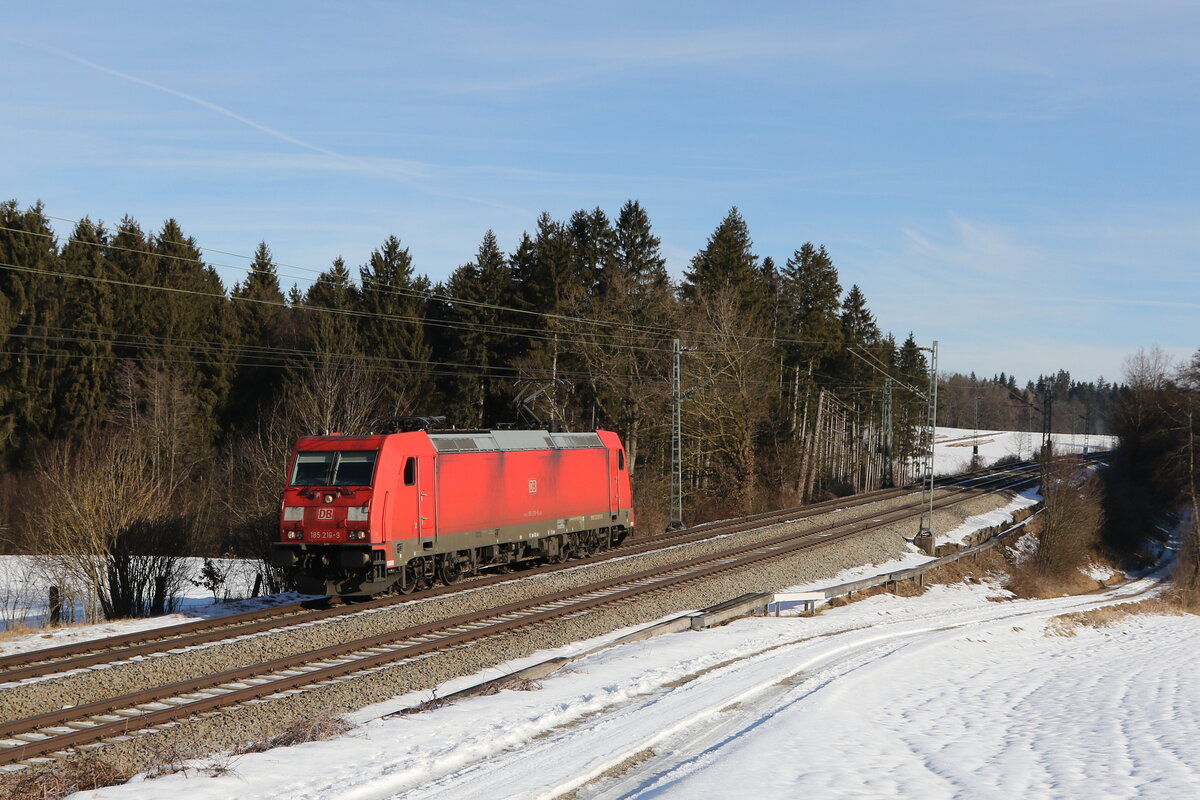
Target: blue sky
{"x":1017,"y":180}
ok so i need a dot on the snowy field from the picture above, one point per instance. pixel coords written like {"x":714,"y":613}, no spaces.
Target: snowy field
{"x":959,"y":693}
{"x":952,"y":449}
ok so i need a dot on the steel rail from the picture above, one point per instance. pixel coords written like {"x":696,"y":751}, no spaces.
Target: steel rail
{"x":34,"y":735}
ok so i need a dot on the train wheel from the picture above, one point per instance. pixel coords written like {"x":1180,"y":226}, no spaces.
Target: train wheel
{"x":560,"y":553}
{"x":406,"y":582}
{"x":449,"y":570}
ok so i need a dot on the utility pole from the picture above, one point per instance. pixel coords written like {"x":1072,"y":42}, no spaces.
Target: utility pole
{"x":889,"y":480}
{"x":676,"y":441}
{"x":1047,"y":421}
{"x":975,"y":437}
{"x":924,"y":537}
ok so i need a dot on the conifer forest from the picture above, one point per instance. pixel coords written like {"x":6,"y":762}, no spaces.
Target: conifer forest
{"x":136,"y":385}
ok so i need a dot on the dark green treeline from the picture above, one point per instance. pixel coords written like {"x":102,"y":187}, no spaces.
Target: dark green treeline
{"x":115,"y":332}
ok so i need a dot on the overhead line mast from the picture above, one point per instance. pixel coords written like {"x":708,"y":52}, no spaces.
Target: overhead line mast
{"x":924,"y":537}
{"x":676,"y":441}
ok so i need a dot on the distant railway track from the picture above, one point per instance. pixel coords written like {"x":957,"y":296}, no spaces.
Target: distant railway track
{"x":82,"y":655}
{"x":56,"y":733}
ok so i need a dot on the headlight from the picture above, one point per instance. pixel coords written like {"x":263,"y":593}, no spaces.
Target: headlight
{"x":295,"y":535}
{"x":358,"y":535}
{"x":293,"y":513}
{"x":357,"y":514}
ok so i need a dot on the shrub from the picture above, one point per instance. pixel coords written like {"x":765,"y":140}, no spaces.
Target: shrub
{"x":1073,"y":520}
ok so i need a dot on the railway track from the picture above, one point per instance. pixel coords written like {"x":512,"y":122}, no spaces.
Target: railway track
{"x":56,"y":733}
{"x":46,"y":662}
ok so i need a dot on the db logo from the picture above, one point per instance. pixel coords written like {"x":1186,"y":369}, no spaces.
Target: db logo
{"x":324,"y":513}
{"x":533,"y":486}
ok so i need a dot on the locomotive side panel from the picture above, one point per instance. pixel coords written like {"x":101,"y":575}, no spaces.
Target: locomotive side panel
{"x":539,"y":491}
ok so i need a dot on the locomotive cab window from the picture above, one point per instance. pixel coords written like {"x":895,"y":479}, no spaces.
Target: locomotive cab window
{"x":334,"y":468}
{"x":312,"y":469}
{"x":354,"y":468}
{"x":621,"y":459}
{"x":410,"y":471}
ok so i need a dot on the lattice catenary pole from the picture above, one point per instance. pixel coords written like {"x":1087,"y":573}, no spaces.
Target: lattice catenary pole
{"x":676,"y":441}
{"x":926,"y":528}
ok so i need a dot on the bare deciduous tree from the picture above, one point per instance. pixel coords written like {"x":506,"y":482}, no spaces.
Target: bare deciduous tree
{"x":328,"y":394}
{"x":332,"y":391}
{"x":1074,"y":516}
{"x":730,"y":403}
{"x":107,"y":528}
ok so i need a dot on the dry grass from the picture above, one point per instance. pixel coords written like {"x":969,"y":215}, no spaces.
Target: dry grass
{"x":76,"y":775}
{"x":1068,"y":624}
{"x":972,"y":569}
{"x":616,"y":771}
{"x":314,"y":729}
{"x":512,"y":684}
{"x":425,"y":705}
{"x":21,"y":629}
{"x":168,"y":756}
{"x":1027,"y":582}
{"x":16,"y":631}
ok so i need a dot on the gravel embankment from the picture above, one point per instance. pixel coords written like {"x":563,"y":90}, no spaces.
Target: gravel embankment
{"x":261,"y":719}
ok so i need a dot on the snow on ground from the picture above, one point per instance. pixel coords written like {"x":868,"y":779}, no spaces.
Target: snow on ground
{"x":952,"y":448}
{"x":947,"y":695}
{"x":956,"y":693}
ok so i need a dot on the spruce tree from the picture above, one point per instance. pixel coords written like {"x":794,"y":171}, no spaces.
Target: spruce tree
{"x":860,"y":332}
{"x":553,"y":273}
{"x":727,"y":262}
{"x":131,"y":259}
{"x":477,"y":394}
{"x":193,"y":324}
{"x":392,"y":334}
{"x":87,"y":353}
{"x":626,"y":365}
{"x":523,"y":267}
{"x":259,"y":315}
{"x":638,"y":251}
{"x":812,"y":294}
{"x":29,"y":314}
{"x":858,"y":323}
{"x":594,"y":243}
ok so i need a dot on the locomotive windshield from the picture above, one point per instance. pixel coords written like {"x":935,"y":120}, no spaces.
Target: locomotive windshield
{"x":334,"y":468}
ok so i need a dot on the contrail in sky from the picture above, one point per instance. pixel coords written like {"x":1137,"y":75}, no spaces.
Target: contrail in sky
{"x":352,"y":162}
{"x":198,"y":101}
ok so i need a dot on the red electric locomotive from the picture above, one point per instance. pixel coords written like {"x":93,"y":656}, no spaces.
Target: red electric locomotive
{"x":365,"y":514}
